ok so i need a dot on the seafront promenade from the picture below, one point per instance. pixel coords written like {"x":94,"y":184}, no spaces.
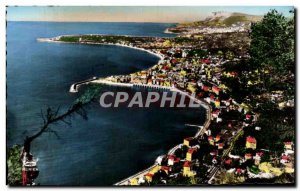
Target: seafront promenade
{"x":75,"y":87}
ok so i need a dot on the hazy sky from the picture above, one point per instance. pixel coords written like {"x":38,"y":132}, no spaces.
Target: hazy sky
{"x":128,"y":14}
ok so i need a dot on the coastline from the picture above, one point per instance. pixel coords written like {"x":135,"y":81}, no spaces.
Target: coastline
{"x":203,"y":104}
{"x":50,"y":40}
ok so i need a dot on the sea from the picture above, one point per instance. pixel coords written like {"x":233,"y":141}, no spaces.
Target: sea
{"x":112,"y":143}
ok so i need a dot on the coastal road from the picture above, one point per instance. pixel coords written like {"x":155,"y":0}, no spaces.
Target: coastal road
{"x":200,"y":132}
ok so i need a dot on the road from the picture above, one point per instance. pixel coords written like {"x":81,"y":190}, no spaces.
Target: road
{"x":215,"y":169}
{"x":200,"y":132}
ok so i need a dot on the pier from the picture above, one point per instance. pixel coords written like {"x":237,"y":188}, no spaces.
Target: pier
{"x":74,"y":87}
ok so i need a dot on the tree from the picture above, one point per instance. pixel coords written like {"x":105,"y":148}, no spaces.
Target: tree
{"x":14,"y":163}
{"x":229,"y":55}
{"x":229,"y":179}
{"x":52,"y":116}
{"x":272,"y":49}
{"x":14,"y":166}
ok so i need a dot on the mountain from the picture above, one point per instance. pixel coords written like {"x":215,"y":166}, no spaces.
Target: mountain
{"x":223,"y":19}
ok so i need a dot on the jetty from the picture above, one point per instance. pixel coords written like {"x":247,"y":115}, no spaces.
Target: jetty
{"x":74,"y":87}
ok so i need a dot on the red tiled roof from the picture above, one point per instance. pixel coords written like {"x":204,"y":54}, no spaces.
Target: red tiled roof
{"x":149,"y":174}
{"x":177,"y":159}
{"x":215,"y":88}
{"x":251,"y":139}
{"x":210,"y":138}
{"x":216,"y":112}
{"x":166,"y":67}
{"x":171,"y":157}
{"x":259,"y":154}
{"x":218,"y":137}
{"x":187,"y":164}
{"x":173,"y":61}
{"x":200,"y":94}
{"x":284,"y":157}
{"x":288,"y":143}
{"x":228,"y":161}
{"x":205,"y":88}
{"x":234,"y":73}
{"x":191,"y":150}
{"x":206,"y":61}
{"x":165,"y":168}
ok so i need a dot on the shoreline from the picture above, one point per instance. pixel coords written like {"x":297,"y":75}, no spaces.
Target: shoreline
{"x":203,"y":104}
{"x":50,"y":40}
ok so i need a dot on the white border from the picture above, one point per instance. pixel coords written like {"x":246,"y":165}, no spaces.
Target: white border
{"x":3,"y":3}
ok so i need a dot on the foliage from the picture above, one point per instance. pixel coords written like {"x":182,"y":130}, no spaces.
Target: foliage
{"x":234,"y":19}
{"x":229,"y":179}
{"x":272,"y":49}
{"x":180,"y":180}
{"x":277,"y":124}
{"x":284,"y":179}
{"x":202,"y":175}
{"x":69,"y":38}
{"x":197,"y":52}
{"x":265,"y":157}
{"x":229,"y":55}
{"x":14,"y":166}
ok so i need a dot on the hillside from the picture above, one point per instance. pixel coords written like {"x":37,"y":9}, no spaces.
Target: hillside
{"x":224,"y":19}
{"x":217,"y":19}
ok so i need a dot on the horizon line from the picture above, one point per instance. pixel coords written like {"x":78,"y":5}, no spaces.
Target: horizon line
{"x":94,"y":21}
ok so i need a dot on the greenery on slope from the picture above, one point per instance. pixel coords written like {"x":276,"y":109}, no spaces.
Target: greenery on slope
{"x":272,"y":63}
{"x":234,"y":19}
{"x":272,"y":50}
{"x":222,"y":21}
{"x":14,"y":166}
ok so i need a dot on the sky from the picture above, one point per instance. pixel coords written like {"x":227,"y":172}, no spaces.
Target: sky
{"x":164,"y":14}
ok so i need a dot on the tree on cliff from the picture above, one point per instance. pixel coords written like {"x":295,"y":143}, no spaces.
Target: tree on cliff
{"x":51,"y":116}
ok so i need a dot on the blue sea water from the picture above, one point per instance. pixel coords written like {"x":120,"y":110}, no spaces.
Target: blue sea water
{"x":113,"y":143}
